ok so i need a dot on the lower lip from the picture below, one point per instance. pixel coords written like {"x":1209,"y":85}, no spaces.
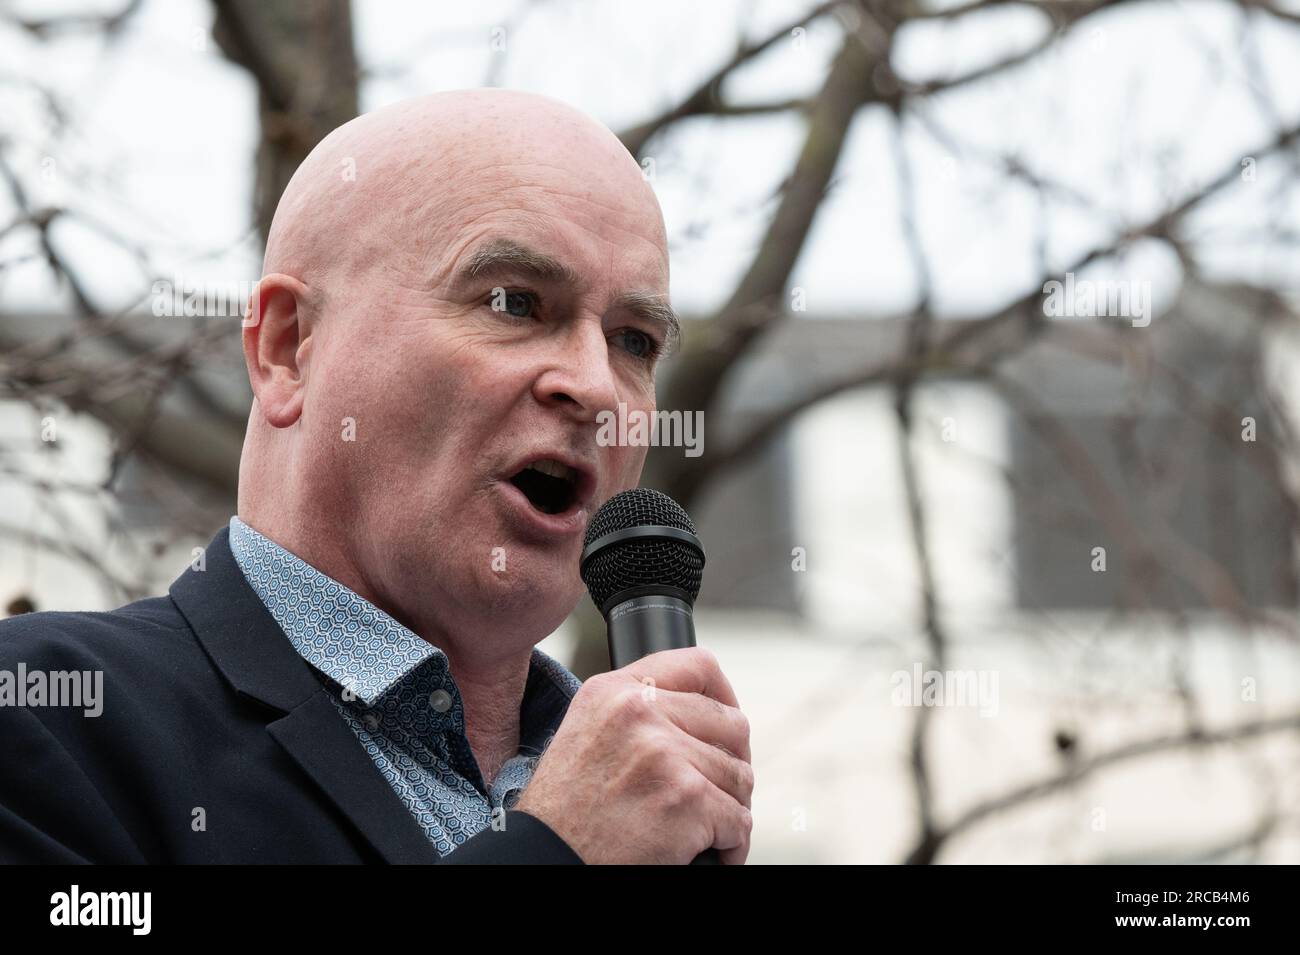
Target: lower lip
{"x":568,"y":524}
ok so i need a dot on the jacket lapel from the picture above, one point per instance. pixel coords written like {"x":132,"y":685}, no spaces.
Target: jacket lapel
{"x":254,"y":656}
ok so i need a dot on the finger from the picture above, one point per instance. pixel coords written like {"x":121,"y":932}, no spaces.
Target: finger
{"x":687,"y":670}
{"x":736,"y":856}
{"x":707,"y":720}
{"x":726,"y":772}
{"x":732,"y":825}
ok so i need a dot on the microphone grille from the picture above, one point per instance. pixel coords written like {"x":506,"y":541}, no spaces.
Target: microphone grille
{"x":641,"y":561}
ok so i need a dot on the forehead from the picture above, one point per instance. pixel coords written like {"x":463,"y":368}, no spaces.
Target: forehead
{"x":601,"y":225}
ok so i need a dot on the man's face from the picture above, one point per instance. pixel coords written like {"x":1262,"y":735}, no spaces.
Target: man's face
{"x":502,"y":319}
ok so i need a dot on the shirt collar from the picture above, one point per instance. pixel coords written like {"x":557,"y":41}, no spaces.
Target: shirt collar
{"x":359,"y":646}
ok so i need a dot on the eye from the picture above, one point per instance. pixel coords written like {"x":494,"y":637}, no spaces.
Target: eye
{"x":516,"y":302}
{"x":639,"y":344}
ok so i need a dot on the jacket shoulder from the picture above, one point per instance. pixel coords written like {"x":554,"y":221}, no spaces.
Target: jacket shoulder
{"x":113,"y":688}
{"x":135,"y":633}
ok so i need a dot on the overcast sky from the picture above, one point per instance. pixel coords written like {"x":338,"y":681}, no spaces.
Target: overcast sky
{"x":1142,"y":102}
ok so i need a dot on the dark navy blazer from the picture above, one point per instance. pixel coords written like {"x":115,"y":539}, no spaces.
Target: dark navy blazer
{"x":217,"y":743}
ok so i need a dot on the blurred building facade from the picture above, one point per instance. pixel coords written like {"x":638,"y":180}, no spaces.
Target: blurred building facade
{"x":1094,"y":435}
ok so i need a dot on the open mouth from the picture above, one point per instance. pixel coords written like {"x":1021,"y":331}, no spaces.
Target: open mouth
{"x":550,"y":486}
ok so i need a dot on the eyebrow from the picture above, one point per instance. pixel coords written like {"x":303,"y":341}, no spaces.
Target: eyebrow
{"x":503,"y":256}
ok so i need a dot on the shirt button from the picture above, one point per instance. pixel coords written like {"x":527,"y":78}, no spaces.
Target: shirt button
{"x":440,"y":700}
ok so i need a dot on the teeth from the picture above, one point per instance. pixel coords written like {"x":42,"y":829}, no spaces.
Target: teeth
{"x":554,"y":469}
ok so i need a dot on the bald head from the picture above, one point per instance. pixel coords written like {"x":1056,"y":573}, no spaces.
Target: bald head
{"x":399,"y":180}
{"x":455,"y":287}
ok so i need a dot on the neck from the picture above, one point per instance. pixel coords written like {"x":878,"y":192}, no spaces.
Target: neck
{"x":491,"y":692}
{"x":491,"y":684}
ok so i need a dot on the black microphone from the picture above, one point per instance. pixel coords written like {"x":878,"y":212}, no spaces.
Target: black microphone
{"x":643,"y":565}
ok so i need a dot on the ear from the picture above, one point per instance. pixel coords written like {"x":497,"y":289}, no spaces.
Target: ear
{"x":277,"y":339}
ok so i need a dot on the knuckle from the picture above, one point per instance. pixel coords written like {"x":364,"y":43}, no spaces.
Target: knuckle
{"x":655,"y":754}
{"x":707,"y":658}
{"x":741,"y":721}
{"x":629,"y":706}
{"x":593,"y":689}
{"x":744,"y":776}
{"x":691,"y":787}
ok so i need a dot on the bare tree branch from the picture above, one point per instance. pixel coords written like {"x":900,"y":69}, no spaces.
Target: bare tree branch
{"x":706,"y":98}
{"x":925,"y":851}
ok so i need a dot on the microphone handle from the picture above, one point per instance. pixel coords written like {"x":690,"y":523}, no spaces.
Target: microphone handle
{"x":647,"y":624}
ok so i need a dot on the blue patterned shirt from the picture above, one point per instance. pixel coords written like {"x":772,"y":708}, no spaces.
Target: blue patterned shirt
{"x":395,"y":691}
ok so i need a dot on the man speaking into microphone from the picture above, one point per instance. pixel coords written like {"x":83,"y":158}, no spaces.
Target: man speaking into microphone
{"x":454,"y":288}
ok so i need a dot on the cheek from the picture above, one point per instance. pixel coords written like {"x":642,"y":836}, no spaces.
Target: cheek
{"x":641,"y":401}
{"x":625,"y":466}
{"x":338,"y":392}
{"x":636,"y":461}
{"x":433,"y":391}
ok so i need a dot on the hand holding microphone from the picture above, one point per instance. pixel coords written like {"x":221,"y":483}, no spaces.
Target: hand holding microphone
{"x":652,"y":762}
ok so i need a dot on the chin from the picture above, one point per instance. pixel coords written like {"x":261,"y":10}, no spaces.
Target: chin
{"x":526,"y":603}
{"x":524,"y":593}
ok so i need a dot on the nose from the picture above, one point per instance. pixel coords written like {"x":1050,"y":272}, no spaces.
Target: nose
{"x":579,"y":379}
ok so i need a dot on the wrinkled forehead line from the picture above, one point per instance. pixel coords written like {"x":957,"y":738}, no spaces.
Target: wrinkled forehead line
{"x":587,"y":236}
{"x":549,"y":184}
{"x":534,"y":247}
